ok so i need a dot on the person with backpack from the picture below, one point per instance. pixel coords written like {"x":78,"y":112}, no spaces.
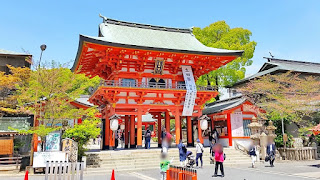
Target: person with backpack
{"x":271,"y":152}
{"x":199,"y":151}
{"x":182,"y":153}
{"x":253,"y":153}
{"x":219,"y":157}
{"x":147,"y":138}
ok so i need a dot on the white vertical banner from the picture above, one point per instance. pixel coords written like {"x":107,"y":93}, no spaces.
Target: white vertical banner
{"x":237,"y":124}
{"x":191,"y":91}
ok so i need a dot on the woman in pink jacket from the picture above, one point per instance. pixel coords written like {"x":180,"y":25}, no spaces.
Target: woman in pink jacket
{"x":219,"y":157}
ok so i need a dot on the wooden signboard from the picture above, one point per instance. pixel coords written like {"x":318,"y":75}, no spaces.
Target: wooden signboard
{"x":6,"y":145}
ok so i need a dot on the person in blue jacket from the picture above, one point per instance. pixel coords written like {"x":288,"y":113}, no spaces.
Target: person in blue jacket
{"x":182,"y":153}
{"x":271,"y":151}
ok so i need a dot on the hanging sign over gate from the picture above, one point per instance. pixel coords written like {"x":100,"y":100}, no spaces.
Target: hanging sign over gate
{"x":191,"y":91}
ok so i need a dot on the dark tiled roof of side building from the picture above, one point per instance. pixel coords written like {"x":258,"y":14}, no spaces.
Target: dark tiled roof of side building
{"x":273,"y":66}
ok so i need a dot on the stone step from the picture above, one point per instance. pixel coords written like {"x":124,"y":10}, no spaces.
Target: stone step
{"x":143,"y":167}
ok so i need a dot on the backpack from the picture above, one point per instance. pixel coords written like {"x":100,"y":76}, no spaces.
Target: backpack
{"x":148,"y":134}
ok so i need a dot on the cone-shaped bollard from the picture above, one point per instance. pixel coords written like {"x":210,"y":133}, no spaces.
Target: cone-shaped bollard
{"x":26,"y":176}
{"x":112,"y":175}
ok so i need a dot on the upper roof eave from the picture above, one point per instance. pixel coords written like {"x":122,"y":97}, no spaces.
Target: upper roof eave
{"x":89,"y":39}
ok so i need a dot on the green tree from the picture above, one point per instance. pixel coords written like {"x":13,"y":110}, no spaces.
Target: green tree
{"x":220,"y":35}
{"x":8,"y":82}
{"x":48,"y":94}
{"x":287,"y":96}
{"x":83,"y":132}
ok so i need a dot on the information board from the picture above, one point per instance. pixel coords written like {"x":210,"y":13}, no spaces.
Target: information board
{"x":40,"y":158}
{"x":237,"y":124}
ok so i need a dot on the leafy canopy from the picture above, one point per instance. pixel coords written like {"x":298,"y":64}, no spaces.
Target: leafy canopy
{"x":220,"y":35}
{"x":18,"y":76}
{"x":48,"y":94}
{"x":83,"y":132}
{"x":289,"y":96}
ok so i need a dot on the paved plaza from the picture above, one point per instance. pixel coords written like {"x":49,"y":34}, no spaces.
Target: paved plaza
{"x":281,"y":171}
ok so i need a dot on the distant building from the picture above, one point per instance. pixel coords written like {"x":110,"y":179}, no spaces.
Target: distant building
{"x":13,"y":58}
{"x":278,"y":66}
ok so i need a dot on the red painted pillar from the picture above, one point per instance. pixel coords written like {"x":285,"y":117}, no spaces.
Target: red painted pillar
{"x":106,"y":132}
{"x":132,"y":132}
{"x":139,"y":129}
{"x":178,"y":128}
{"x":200,"y":132}
{"x":189,"y":131}
{"x":229,"y":128}
{"x":181,"y":119}
{"x":159,"y":129}
{"x":167,"y":121}
{"x":126,"y":131}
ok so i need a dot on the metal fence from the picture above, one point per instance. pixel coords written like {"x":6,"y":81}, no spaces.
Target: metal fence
{"x":181,"y":173}
{"x":64,"y":170}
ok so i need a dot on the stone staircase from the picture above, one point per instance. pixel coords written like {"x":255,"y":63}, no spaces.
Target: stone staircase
{"x":142,"y":159}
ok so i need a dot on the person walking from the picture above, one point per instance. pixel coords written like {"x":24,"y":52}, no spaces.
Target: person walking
{"x":271,"y":151}
{"x":212,"y":149}
{"x":182,"y":153}
{"x":121,"y":138}
{"x":219,"y":157}
{"x":215,"y":135}
{"x":147,"y":138}
{"x":163,"y":133}
{"x":253,"y":153}
{"x":99,"y":139}
{"x":199,"y":151}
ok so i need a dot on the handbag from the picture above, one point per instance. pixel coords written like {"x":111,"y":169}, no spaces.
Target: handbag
{"x":267,"y":159}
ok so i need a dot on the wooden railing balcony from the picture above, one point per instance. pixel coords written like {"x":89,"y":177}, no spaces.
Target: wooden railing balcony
{"x":150,"y":85}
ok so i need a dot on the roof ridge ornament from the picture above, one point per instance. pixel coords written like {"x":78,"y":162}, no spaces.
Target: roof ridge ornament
{"x":104,"y":18}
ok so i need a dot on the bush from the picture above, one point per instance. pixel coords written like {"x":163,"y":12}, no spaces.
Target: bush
{"x":154,"y":139}
{"x":82,"y":133}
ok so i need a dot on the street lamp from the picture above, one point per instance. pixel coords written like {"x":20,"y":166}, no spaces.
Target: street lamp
{"x":43,"y":47}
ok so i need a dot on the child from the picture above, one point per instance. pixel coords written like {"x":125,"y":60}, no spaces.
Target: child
{"x":164,"y":165}
{"x":219,"y":158}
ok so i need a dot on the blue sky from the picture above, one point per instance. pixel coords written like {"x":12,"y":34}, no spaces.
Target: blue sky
{"x":287,"y":28}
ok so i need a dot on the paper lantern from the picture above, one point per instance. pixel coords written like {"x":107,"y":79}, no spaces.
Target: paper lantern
{"x":204,"y":124}
{"x":114,"y":124}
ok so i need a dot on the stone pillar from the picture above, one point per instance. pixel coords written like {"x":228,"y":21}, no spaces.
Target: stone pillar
{"x":132,"y":132}
{"x":139,"y":129}
{"x":189,"y":131}
{"x":178,"y":128}
{"x":263,"y":145}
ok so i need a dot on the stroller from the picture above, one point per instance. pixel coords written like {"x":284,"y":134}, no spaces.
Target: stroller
{"x":191,"y":159}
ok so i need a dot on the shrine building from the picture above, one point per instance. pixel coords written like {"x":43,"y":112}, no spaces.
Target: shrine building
{"x":147,"y":70}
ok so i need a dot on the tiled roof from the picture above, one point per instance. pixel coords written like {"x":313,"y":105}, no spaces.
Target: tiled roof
{"x":6,"y":52}
{"x":280,"y":65}
{"x":83,"y":99}
{"x":222,"y":105}
{"x":157,"y":37}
